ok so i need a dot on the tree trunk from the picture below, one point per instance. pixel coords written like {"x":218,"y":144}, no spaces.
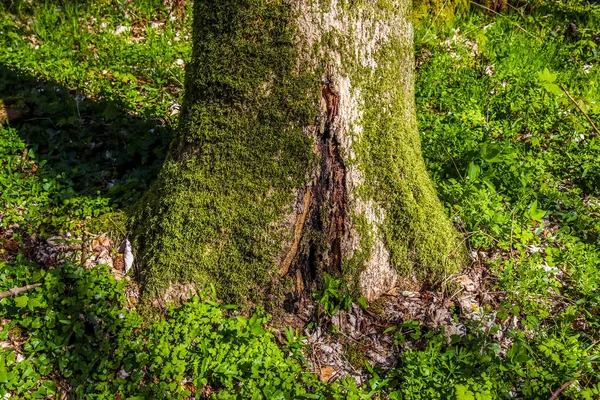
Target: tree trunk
{"x":297,"y":154}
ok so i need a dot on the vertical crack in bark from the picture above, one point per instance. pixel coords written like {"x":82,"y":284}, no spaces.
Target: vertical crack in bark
{"x":322,"y":222}
{"x":332,"y":183}
{"x":326,"y":221}
{"x":330,"y":200}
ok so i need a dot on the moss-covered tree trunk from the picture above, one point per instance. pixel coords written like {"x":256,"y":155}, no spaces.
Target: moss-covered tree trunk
{"x":297,"y":154}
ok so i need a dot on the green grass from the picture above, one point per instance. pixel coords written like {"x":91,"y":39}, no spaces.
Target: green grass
{"x":513,"y":157}
{"x":514,"y":160}
{"x":518,"y":164}
{"x":101,"y":86}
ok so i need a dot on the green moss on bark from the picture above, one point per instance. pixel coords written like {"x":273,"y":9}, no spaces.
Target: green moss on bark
{"x":212,"y":216}
{"x":418,"y":234}
{"x":420,"y":238}
{"x":354,"y":265}
{"x":438,"y":12}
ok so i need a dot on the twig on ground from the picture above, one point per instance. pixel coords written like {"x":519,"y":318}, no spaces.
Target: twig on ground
{"x":16,"y":290}
{"x":560,"y":389}
{"x":580,"y":109}
{"x":501,"y":15}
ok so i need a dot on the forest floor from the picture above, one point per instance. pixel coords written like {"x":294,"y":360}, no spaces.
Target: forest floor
{"x":508,"y":107}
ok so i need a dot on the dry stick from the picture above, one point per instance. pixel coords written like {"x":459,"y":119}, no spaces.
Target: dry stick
{"x":560,"y":389}
{"x":501,"y":15}
{"x":580,"y":109}
{"x":435,"y":19}
{"x":16,"y":290}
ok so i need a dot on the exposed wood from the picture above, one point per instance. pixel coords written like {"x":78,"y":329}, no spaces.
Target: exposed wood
{"x":298,"y":228}
{"x":16,"y":290}
{"x":329,"y":202}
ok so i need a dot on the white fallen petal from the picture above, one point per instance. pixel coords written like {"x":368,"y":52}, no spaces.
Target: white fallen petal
{"x":122,"y":374}
{"x":120,"y":29}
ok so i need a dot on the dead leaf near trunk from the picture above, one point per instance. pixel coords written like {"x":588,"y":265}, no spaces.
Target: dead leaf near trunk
{"x":326,"y":373}
{"x":207,"y":392}
{"x":100,"y":243}
{"x":119,"y":263}
{"x":12,"y":110}
{"x":177,"y":7}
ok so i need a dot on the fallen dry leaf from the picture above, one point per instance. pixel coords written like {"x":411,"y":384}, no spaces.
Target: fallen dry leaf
{"x":326,"y":373}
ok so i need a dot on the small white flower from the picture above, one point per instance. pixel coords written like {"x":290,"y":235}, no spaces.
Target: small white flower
{"x":587,"y":68}
{"x":179,"y":62}
{"x":120,"y":29}
{"x":122,"y":374}
{"x":546,"y":267}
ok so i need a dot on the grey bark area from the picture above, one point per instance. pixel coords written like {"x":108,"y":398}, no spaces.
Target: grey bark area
{"x":350,"y":40}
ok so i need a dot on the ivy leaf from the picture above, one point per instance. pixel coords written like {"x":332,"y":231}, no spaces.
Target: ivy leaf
{"x":34,"y":302}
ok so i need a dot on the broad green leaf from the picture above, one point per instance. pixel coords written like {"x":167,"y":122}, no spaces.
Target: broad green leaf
{"x":546,"y":76}
{"x":3,"y":374}
{"x":534,"y":212}
{"x":473,"y":171}
{"x":21,"y":301}
{"x":553,"y":88}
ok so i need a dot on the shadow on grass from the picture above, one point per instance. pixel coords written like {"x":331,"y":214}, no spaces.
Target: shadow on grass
{"x":98,"y":145}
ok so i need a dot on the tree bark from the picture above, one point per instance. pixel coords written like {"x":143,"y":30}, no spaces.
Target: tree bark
{"x":297,"y":154}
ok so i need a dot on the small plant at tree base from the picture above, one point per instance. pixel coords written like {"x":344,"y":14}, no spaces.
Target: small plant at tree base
{"x":334,"y":296}
{"x":295,"y":343}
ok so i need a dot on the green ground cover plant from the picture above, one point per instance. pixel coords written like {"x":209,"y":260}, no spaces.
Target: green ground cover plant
{"x":505,"y":103}
{"x":99,"y":88}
